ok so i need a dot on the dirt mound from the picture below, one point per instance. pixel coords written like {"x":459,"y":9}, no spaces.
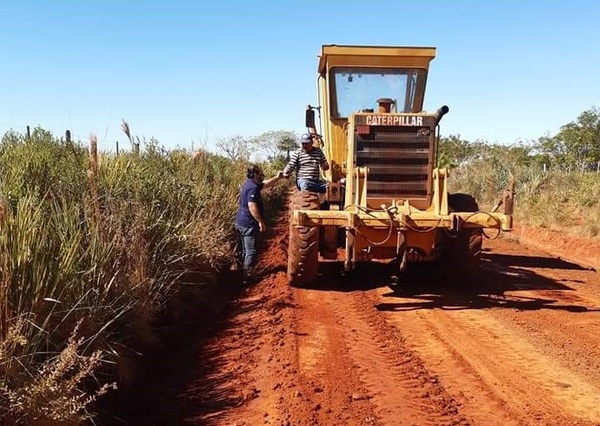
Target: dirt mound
{"x":580,"y":250}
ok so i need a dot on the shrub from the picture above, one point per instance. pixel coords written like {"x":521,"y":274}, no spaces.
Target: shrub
{"x":94,"y":246}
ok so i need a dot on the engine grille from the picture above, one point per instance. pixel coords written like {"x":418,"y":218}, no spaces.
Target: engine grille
{"x":399,"y":159}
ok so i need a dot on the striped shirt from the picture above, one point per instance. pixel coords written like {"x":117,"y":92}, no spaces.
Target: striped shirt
{"x":306,"y":164}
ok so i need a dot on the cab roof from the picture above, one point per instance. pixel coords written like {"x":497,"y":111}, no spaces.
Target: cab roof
{"x":376,"y":56}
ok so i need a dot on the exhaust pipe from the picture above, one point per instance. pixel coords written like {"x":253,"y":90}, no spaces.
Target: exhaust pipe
{"x":443,"y":110}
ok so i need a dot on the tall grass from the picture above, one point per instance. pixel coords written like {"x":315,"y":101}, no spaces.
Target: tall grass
{"x":91,"y":250}
{"x":563,"y":200}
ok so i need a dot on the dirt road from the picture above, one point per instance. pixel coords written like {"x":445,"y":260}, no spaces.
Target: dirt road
{"x":521,"y":348}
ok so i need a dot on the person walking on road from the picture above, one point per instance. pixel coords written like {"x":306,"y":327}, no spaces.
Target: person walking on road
{"x":249,"y":222}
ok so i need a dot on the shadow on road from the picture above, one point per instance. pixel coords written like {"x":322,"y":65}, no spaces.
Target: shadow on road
{"x":188,"y":381}
{"x":497,"y":285}
{"x":532,"y":261}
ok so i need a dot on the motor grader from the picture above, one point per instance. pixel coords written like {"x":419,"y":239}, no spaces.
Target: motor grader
{"x":386,"y":200}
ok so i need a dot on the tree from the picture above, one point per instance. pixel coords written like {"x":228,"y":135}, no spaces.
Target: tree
{"x":454,"y":151}
{"x":287,"y":144}
{"x":577,"y":144}
{"x":275,"y":145}
{"x":236,"y":148}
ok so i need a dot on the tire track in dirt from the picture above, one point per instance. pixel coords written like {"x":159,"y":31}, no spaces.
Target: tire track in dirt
{"x":325,"y":366}
{"x":504,"y":366}
{"x":478,"y":402}
{"x":401,"y":388}
{"x":566,"y":326}
{"x":487,"y":358}
{"x":570,"y":338}
{"x":575,"y":342}
{"x":344,"y":344}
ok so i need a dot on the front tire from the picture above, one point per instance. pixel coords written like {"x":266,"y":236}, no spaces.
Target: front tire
{"x":303,"y":246}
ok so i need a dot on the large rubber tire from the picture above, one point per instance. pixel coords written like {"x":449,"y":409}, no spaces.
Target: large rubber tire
{"x":303,"y":246}
{"x":465,"y":248}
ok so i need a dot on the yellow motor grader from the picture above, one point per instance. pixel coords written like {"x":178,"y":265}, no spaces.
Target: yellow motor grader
{"x":386,"y":200}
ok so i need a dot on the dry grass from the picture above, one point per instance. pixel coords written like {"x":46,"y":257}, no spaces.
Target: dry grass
{"x":92,"y":247}
{"x":52,"y":394}
{"x":558,"y":200}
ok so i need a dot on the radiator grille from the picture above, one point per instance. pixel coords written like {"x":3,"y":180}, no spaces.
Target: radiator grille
{"x":399,"y":160}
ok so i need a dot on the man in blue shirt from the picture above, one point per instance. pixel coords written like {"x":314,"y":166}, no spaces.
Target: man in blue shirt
{"x":249,"y":221}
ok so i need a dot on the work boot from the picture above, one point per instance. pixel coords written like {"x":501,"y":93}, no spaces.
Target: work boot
{"x":250,"y":277}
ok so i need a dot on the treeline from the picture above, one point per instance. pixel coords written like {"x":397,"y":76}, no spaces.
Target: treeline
{"x":576,"y":147}
{"x":557,"y":177}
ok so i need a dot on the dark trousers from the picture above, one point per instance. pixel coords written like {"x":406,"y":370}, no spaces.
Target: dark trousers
{"x":249,"y":240}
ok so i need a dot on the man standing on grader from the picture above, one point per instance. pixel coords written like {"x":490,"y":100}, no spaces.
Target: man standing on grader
{"x":306,"y":163}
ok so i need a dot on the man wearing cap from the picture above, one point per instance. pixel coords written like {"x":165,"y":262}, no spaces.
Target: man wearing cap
{"x":306,"y":162}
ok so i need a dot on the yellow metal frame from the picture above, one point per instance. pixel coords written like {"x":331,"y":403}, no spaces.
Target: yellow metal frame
{"x":386,"y":233}
{"x":403,"y":216}
{"x":390,"y":226}
{"x":375,"y":56}
{"x":335,"y":130}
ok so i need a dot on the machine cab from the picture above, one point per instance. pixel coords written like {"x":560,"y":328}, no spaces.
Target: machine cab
{"x":353,"y":78}
{"x":372,"y":99}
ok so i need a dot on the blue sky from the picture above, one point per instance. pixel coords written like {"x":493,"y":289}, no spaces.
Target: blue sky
{"x":191,"y":72}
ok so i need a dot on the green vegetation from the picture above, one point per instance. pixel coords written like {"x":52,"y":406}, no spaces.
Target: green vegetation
{"x":92,"y":248}
{"x":557,"y":177}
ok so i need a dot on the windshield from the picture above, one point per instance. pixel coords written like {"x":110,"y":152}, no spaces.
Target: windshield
{"x":356,"y":89}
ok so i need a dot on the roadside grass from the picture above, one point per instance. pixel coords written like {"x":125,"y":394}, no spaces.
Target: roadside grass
{"x":567,"y":201}
{"x":92,"y":250}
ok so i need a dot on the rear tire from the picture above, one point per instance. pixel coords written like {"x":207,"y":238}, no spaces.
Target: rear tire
{"x":303,"y":246}
{"x":465,"y":248}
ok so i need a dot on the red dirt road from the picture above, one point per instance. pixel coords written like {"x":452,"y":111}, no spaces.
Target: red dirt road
{"x":522,"y":348}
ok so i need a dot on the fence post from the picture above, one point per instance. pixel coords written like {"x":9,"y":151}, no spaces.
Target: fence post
{"x":117,"y":145}
{"x":28,"y":133}
{"x":68,"y":136}
{"x":92,"y":173}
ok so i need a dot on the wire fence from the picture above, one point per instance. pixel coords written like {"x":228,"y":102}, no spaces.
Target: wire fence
{"x":115,"y":146}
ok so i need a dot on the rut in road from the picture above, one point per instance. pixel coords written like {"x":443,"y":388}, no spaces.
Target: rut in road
{"x":398,"y":385}
{"x":391,"y":378}
{"x":481,"y":341}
